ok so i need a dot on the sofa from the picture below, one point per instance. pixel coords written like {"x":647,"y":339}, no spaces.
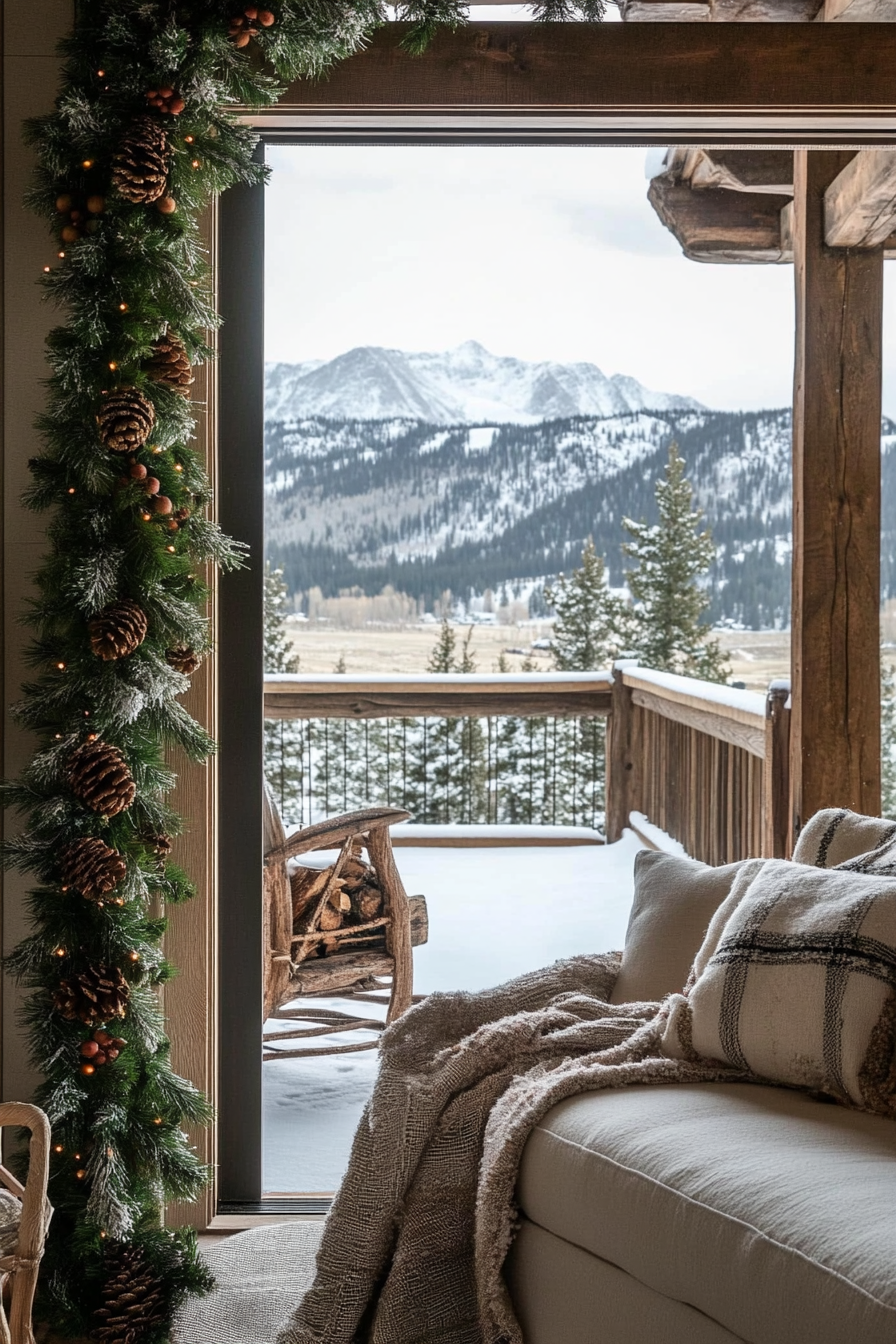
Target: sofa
{"x":707,"y":1213}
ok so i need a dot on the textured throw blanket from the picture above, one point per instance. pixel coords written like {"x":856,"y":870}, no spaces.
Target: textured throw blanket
{"x":414,"y":1246}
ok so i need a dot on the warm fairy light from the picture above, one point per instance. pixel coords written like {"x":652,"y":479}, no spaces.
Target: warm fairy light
{"x":112,"y":364}
{"x":102,"y":1234}
{"x":156,"y":449}
{"x":61,"y":256}
{"x":47,"y":270}
{"x":172,"y":549}
{"x":88,"y":163}
{"x":134,"y":956}
{"x":157,"y":1120}
{"x":178,"y":467}
{"x":92,"y":737}
{"x":58,"y":951}
{"x":59,"y":739}
{"x":71,"y":489}
{"x":61,"y":666}
{"x":77,"y":1157}
{"x":195,"y":163}
{"x":188,"y":139}
{"x":100,"y":73}
{"x":58,"y":1148}
{"x":82,"y":1173}
{"x":122,"y":307}
{"x":87,"y":1070}
{"x":87,"y":713}
{"x":146,"y":517}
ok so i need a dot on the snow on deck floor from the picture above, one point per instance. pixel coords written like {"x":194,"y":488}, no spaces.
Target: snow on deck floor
{"x":493,"y":914}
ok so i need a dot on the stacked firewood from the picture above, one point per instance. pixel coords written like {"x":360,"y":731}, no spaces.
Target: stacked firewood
{"x":339,"y":907}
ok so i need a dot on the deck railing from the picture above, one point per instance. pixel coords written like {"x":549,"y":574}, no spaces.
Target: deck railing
{"x":706,"y":764}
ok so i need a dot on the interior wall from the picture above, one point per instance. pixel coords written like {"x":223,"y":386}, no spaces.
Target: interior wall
{"x":30,"y":72}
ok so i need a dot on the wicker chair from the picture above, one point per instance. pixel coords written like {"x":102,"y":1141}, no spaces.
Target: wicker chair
{"x":293,"y":972}
{"x":19,"y":1266}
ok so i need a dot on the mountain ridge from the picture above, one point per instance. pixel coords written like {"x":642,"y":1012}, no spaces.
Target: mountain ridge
{"x":465,"y":385}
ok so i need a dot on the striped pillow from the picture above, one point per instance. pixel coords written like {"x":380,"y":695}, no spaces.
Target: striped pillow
{"x":796,"y":984}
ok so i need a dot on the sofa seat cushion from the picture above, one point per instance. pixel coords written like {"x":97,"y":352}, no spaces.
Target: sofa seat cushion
{"x":772,"y":1213}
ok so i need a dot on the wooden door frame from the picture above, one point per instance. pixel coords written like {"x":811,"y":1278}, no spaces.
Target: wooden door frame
{"x":486,"y":84}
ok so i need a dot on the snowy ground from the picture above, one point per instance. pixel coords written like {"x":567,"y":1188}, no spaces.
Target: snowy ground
{"x":493,"y":913}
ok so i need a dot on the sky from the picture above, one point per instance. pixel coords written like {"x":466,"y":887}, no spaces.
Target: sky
{"x":544,"y":253}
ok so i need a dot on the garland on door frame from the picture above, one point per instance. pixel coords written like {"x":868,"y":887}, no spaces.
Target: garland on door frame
{"x":138,"y":144}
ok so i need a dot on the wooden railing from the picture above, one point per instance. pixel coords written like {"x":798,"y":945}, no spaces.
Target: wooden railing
{"x":707,"y":764}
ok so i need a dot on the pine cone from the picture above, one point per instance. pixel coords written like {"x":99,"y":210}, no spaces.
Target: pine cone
{"x":98,"y":774}
{"x":118,"y":630}
{"x":95,"y":995}
{"x":140,"y":164}
{"x":92,"y":868}
{"x":183,"y":659}
{"x":159,"y":844}
{"x":126,"y":419}
{"x":135,"y":1303}
{"x":170,"y":365}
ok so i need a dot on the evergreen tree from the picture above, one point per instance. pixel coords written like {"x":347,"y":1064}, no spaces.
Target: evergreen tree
{"x":670,"y":558}
{"x":887,"y":739}
{"x":591,"y":621}
{"x":285,"y":740}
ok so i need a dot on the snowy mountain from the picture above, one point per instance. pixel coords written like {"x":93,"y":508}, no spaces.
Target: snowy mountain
{"x":467,"y":385}
{"x":428,"y":508}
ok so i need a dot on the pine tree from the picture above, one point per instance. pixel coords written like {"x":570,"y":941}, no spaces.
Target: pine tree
{"x":285,"y":759}
{"x":671,"y":557}
{"x":887,"y":739}
{"x":591,"y":621}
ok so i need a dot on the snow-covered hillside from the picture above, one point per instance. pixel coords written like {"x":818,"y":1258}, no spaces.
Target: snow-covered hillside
{"x":462,"y":386}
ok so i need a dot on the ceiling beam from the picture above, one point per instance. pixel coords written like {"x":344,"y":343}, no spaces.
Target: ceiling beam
{"x":769,"y":171}
{"x":726,"y":78}
{"x":860,"y":205}
{"x":858,"y":11}
{"x":721,"y":226}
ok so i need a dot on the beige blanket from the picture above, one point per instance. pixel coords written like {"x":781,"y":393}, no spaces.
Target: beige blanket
{"x":414,"y":1246}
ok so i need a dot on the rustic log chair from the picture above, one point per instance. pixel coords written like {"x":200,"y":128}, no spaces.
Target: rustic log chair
{"x":290,"y":973}
{"x":19,"y":1266}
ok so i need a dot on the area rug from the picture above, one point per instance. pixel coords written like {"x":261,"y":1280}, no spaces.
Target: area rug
{"x":261,"y":1275}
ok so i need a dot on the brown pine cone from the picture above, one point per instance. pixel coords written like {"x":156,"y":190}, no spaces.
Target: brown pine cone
{"x":169,"y":364}
{"x":92,"y":868}
{"x":126,"y":420}
{"x":118,"y":630}
{"x":140,"y":164}
{"x":99,"y":775}
{"x":183,"y":659}
{"x":159,"y":844}
{"x":95,"y":995}
{"x":135,"y":1302}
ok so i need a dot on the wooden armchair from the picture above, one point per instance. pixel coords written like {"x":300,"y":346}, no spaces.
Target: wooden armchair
{"x":305,"y":960}
{"x":19,"y":1266}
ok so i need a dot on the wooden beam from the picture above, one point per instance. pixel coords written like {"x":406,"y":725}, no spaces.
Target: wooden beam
{"x":720,"y":226}
{"x":860,"y":204}
{"x":835,"y":718}
{"x":767,"y":171}
{"x":613,"y":79}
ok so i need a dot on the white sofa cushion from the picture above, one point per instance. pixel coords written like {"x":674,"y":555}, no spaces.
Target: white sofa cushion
{"x":796,"y":983}
{"x":675,"y":898}
{"x":771,"y":1212}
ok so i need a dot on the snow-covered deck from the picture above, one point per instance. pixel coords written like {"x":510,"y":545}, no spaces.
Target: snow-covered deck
{"x":493,"y":913}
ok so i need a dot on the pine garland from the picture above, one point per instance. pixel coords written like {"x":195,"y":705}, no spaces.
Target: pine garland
{"x":138,"y":144}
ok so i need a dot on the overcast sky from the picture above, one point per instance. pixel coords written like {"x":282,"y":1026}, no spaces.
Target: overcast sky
{"x":541,"y":253}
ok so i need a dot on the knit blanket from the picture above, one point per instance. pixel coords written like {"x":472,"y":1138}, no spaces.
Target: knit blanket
{"x":416,"y":1239}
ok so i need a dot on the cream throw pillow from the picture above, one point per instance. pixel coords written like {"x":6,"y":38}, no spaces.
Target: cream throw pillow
{"x":796,"y":983}
{"x":675,"y":898}
{"x":837,"y":836}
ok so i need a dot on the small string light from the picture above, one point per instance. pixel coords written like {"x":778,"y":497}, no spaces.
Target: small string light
{"x":172,"y":549}
{"x":87,"y":713}
{"x":100,"y":73}
{"x":122,"y":307}
{"x":92,"y":737}
{"x":61,"y":256}
{"x":156,"y":448}
{"x":157,"y":1120}
{"x":71,"y":489}
{"x":178,"y":467}
{"x":188,"y":139}
{"x":80,"y":1174}
{"x":58,"y":951}
{"x":61,"y":666}
{"x":77,"y":1157}
{"x":88,"y":163}
{"x":102,"y":1234}
{"x":58,"y":1148}
{"x":47,"y":270}
{"x":134,"y":956}
{"x":146,"y":517}
{"x":112,"y":364}
{"x":59,"y":739}
{"x":195,"y":163}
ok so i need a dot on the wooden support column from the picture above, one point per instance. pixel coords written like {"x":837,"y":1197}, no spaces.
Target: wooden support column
{"x":835,"y":657}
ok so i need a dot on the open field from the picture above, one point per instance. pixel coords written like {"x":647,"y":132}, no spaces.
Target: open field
{"x":756,"y":656}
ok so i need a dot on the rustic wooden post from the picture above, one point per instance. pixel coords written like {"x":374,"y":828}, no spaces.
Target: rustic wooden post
{"x":623,"y":786}
{"x":835,"y":659}
{"x":776,"y":838}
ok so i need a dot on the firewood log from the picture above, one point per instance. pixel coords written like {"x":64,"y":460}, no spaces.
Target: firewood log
{"x":307,"y":885}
